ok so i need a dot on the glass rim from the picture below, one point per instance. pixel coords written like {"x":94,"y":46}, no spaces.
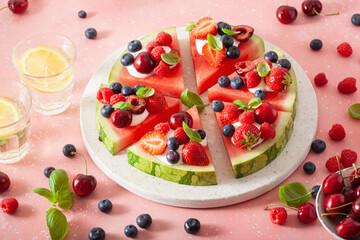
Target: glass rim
{"x":22,"y":85}
{"x":72,"y":60}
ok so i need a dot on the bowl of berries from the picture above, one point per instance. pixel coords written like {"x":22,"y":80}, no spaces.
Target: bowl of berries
{"x":338,"y":203}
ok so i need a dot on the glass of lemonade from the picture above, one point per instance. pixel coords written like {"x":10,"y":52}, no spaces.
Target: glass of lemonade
{"x":45,"y":63}
{"x":15,"y":104}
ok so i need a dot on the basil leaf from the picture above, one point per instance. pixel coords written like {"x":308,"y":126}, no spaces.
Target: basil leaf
{"x":65,"y":200}
{"x":169,"y":58}
{"x":57,"y":224}
{"x":122,"y":105}
{"x":229,"y":32}
{"x":190,"y":99}
{"x":254,"y":103}
{"x":354,"y":111}
{"x":193,"y":135}
{"x":263,"y":68}
{"x":189,"y":27}
{"x":242,"y":104}
{"x":145,"y":92}
{"x":45,"y":193}
{"x":214,"y":43}
{"x":59,"y":181}
{"x":294,"y":194}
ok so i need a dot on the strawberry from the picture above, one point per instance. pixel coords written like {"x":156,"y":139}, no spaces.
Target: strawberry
{"x":162,"y":127}
{"x":332,"y":164}
{"x":213,"y":57}
{"x":162,"y":70}
{"x":193,"y":153}
{"x":252,"y":79}
{"x":348,"y":157}
{"x":247,"y":117}
{"x":156,"y":103}
{"x":154,"y":142}
{"x":117,"y":98}
{"x":156,"y":53}
{"x":347,"y":86}
{"x":204,"y":27}
{"x":230,"y":114}
{"x":278,"y":79}
{"x":246,"y":135}
{"x":151,"y":45}
{"x":163,"y":39}
{"x":267,"y":130}
{"x":181,"y":136}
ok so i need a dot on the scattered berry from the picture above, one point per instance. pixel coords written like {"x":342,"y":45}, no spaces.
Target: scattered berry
{"x":286,"y":14}
{"x":17,"y":6}
{"x":224,"y":81}
{"x":96,"y":234}
{"x":202,"y":133}
{"x":220,"y":26}
{"x":144,"y":220}
{"x":154,"y":142}
{"x":192,"y":226}
{"x":156,"y":103}
{"x":311,"y":7}
{"x":173,"y":143}
{"x":246,"y":135}
{"x":227,"y":40}
{"x":193,"y":153}
{"x":127,"y":59}
{"x":163,"y":39}
{"x":204,"y":27}
{"x":156,"y":53}
{"x":318,"y":146}
{"x":82,"y":14}
{"x":69,"y":150}
{"x":278,"y":215}
{"x":116,"y":98}
{"x":228,"y":130}
{"x":309,"y":167}
{"x":247,"y":117}
{"x":344,"y":49}
{"x":162,"y":70}
{"x":115,"y":87}
{"x":181,"y":136}
{"x":48,"y":171}
{"x":176,"y":120}
{"x":265,"y":113}
{"x":4,"y":182}
{"x":9,"y":205}
{"x":173,"y":157}
{"x":307,"y":213}
{"x":134,"y":46}
{"x":143,"y":63}
{"x":233,"y":52}
{"x":90,"y":33}
{"x":237,"y":83}
{"x":337,"y":132}
{"x":260,"y":94}
{"x":127,"y":90}
{"x":103,"y":95}
{"x":272,"y":56}
{"x":278,"y":79}
{"x":217,"y":106}
{"x":320,"y":79}
{"x":151,"y":45}
{"x":105,"y":205}
{"x":332,"y":164}
{"x":230,"y":114}
{"x":121,"y":118}
{"x":355,"y":19}
{"x":348,"y":157}
{"x":267,"y":131}
{"x":252,"y":79}
{"x":347,"y":86}
{"x":213,"y":57}
{"x":284,"y":63}
{"x":84,"y":185}
{"x":162,"y":127}
{"x":315,"y":190}
{"x":316,"y":44}
{"x":130,"y":231}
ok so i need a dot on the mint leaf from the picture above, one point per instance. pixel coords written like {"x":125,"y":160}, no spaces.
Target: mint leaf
{"x":242,"y":104}
{"x":254,"y":103}
{"x":294,"y":194}
{"x":190,"y":99}
{"x":189,"y":27}
{"x":263,"y":68}
{"x":145,"y":92}
{"x":193,"y":135}
{"x":65,"y":200}
{"x":229,"y":32}
{"x":59,"y":181}
{"x":354,"y":111}
{"x":214,"y":43}
{"x":45,"y":193}
{"x":169,"y":58}
{"x":122,"y":105}
{"x":57,"y":224}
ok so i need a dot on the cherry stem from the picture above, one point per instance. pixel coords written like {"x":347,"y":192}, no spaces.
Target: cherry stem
{"x":330,"y":14}
{"x":344,"y":205}
{"x":338,"y":162}
{"x":82,"y":158}
{"x":276,"y":204}
{"x":356,"y":175}
{"x":4,"y":8}
{"x":344,"y":214}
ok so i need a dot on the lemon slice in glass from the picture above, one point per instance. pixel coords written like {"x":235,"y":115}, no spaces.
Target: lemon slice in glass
{"x":9,"y":113}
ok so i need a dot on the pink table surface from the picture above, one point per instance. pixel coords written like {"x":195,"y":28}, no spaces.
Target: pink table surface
{"x":118,"y":22}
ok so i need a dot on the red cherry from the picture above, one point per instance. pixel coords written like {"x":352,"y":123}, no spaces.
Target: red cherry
{"x":84,"y":184}
{"x":357,"y":192}
{"x":17,"y":6}
{"x":143,"y":63}
{"x":138,"y":104}
{"x":265,"y":113}
{"x":348,"y":228}
{"x":121,"y":118}
{"x":355,"y":181}
{"x":286,"y":14}
{"x":335,"y":200}
{"x":307,"y":213}
{"x":4,"y":182}
{"x":333,"y":183}
{"x":177,"y":119}
{"x":355,"y":208}
{"x":311,"y":7}
{"x":349,"y":193}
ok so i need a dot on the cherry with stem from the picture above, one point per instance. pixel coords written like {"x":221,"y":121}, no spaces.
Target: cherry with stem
{"x":16,"y":6}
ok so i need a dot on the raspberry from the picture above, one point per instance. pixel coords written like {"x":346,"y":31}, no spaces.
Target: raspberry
{"x":163,"y":39}
{"x":347,"y":86}
{"x":320,"y":79}
{"x":252,"y":79}
{"x":181,"y":136}
{"x":278,"y":215}
{"x":156,"y":53}
{"x":337,"y":132}
{"x":162,"y":127}
{"x":117,"y":98}
{"x":344,"y":49}
{"x":151,"y":45}
{"x":156,"y":103}
{"x":267,"y":131}
{"x":104,"y":95}
{"x":9,"y":205}
{"x":230,"y":114}
{"x":348,"y":157}
{"x":162,"y":70}
{"x":247,"y":117}
{"x":332,"y":164}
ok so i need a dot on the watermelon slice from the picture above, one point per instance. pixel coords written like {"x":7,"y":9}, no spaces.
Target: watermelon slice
{"x":179,"y":173}
{"x":245,"y":162}
{"x":173,"y":85}
{"x":116,"y":139}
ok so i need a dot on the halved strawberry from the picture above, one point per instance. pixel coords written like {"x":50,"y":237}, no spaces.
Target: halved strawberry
{"x":213,"y":57}
{"x":278,"y":79}
{"x":156,"y":103}
{"x":193,"y":153}
{"x":204,"y":27}
{"x":154,"y":142}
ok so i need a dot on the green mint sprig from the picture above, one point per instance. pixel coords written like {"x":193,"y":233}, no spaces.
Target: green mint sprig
{"x":229,"y":32}
{"x":170,"y":59}
{"x":263,"y":68}
{"x":145,"y":92}
{"x":354,"y":111}
{"x":191,"y":99}
{"x":193,"y":135}
{"x":214,"y":43}
{"x":123,"y":106}
{"x":294,"y":194}
{"x":251,"y":106}
{"x":189,"y":27}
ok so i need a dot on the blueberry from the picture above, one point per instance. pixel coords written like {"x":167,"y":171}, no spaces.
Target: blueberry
{"x":82,"y":14}
{"x":217,"y":106}
{"x":173,"y":143}
{"x":355,"y":19}
{"x":96,"y":234}
{"x":105,"y":205}
{"x":224,"y":81}
{"x":130,"y":231}
{"x":315,"y":190}
{"x":137,"y":87}
{"x":260,"y":94}
{"x":237,"y":83}
{"x":90,"y":33}
{"x":228,"y":130}
{"x":173,"y":157}
{"x":202,"y":133}
{"x":144,"y":220}
{"x":69,"y":150}
{"x":233,"y":52}
{"x":272,"y":56}
{"x":106,"y":110}
{"x":316,"y":44}
{"x":127,"y":59}
{"x":227,"y":40}
{"x":318,"y":146}
{"x":126,"y":90}
{"x":134,"y":46}
{"x":192,"y":225}
{"x":309,"y":167}
{"x":284,"y":63}
{"x":115,"y":87}
{"x":48,"y":171}
{"x":222,"y":25}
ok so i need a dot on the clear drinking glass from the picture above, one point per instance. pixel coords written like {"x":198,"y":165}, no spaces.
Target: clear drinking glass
{"x":15,"y":104}
{"x":45,"y":63}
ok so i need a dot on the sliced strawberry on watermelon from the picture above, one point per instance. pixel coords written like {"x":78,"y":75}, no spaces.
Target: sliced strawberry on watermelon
{"x":213,"y":57}
{"x":154,"y":142}
{"x":204,"y":27}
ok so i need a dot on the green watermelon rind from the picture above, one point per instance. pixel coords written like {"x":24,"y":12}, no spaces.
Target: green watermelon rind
{"x":182,"y":173}
{"x":260,"y":43}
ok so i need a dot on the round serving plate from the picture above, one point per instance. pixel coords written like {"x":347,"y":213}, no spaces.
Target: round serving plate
{"x":229,"y":189}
